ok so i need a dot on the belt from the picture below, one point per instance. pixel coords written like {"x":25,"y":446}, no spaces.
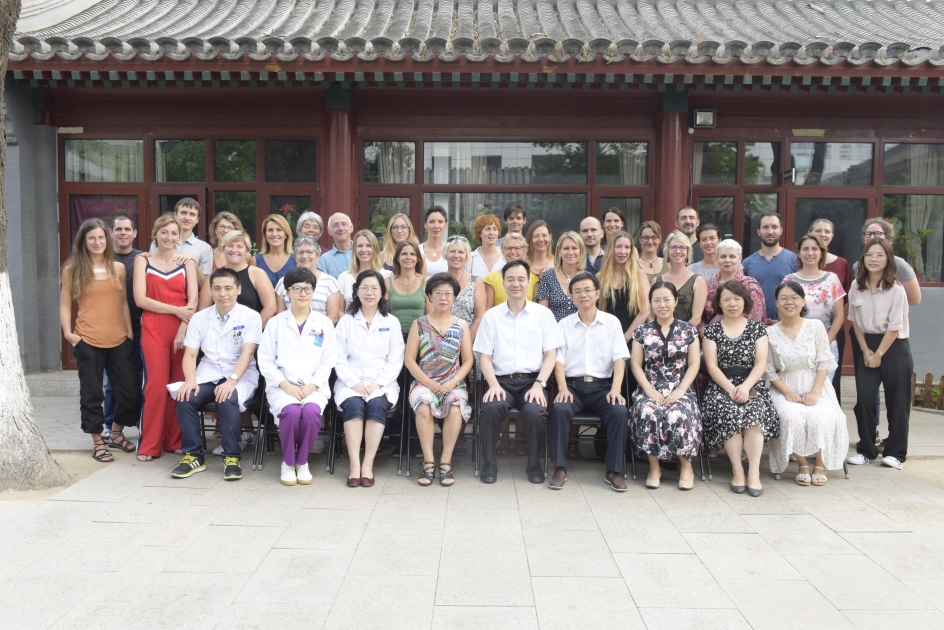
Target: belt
{"x":520,"y":376}
{"x":588,"y":379}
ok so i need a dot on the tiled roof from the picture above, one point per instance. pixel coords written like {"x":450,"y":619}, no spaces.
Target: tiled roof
{"x":696,"y":31}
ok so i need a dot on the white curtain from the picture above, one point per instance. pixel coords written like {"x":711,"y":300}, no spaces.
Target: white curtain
{"x":395,"y":162}
{"x":698,"y":160}
{"x":924,"y":161}
{"x":633,"y":163}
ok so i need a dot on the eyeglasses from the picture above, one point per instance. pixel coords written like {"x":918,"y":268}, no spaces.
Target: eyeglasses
{"x":443,"y":294}
{"x":398,"y":228}
{"x":457,"y":237}
{"x":875,"y":234}
{"x":878,"y":256}
{"x":335,"y":226}
{"x":783,"y":299}
{"x":304,"y":252}
{"x":649,"y":239}
{"x":579,"y":292}
{"x":368,"y":290}
{"x":512,"y":248}
{"x":677,"y":248}
{"x":302,"y":290}
{"x":661,"y":301}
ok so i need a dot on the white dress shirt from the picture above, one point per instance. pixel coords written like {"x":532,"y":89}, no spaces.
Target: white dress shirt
{"x":518,"y":343}
{"x":297,"y":357}
{"x":369,"y":355}
{"x":222,"y":340}
{"x":591,"y":350}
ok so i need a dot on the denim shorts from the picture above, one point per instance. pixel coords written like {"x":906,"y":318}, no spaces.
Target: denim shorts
{"x":356,"y":408}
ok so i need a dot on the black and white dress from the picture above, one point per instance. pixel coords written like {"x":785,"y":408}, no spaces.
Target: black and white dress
{"x":559,"y":302}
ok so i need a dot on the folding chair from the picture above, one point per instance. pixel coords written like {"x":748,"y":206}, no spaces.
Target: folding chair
{"x":206,"y":425}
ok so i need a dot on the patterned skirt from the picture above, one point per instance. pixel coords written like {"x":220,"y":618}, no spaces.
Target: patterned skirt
{"x":440,"y":405}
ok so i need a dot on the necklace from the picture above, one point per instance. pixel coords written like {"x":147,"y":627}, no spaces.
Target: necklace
{"x":406,"y":282}
{"x":652,"y":264}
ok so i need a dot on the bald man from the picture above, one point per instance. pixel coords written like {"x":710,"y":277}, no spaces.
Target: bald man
{"x":337,"y":259}
{"x":591,"y":231}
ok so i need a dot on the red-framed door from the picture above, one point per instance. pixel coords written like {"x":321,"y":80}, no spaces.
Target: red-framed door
{"x":163,"y":198}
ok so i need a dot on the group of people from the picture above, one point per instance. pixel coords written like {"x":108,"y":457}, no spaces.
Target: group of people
{"x":676,"y":346}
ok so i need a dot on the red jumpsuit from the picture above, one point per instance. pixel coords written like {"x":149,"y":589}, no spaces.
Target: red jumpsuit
{"x":159,"y":427}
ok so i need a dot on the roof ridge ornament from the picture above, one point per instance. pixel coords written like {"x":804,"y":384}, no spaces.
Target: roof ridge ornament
{"x":558,"y":54}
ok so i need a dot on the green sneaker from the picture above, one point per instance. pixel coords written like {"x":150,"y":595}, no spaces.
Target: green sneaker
{"x":189,"y":465}
{"x":231,"y":469}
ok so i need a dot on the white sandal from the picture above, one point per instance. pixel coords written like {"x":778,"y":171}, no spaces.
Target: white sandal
{"x":803,"y":479}
{"x":819,"y":480}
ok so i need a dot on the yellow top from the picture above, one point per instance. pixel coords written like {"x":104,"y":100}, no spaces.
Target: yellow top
{"x":494,"y":280}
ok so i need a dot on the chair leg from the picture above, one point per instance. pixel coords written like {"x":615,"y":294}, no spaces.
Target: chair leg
{"x":704,"y":453}
{"x":845,"y":469}
{"x":701,"y":464}
{"x":332,"y":442}
{"x":203,"y":429}
{"x":547,"y":444}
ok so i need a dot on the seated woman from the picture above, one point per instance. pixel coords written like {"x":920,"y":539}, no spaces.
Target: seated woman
{"x":665,"y":358}
{"x":296,"y":356}
{"x":737,"y":409}
{"x":798,"y":363}
{"x":444,"y":347}
{"x":370,"y":357}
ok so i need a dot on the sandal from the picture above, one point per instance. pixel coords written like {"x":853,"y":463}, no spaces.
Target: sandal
{"x":461,"y":447}
{"x":118,"y":440}
{"x":819,"y":480}
{"x":144,"y":458}
{"x":502,"y":448}
{"x":803,"y":479}
{"x":426,"y":477}
{"x":573,"y":451}
{"x":100,"y":452}
{"x":520,"y":447}
{"x":445,"y":474}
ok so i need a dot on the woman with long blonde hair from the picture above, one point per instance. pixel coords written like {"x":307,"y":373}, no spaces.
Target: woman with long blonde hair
{"x":540,"y":241}
{"x":554,"y":287}
{"x":399,"y":229}
{"x":624,"y":287}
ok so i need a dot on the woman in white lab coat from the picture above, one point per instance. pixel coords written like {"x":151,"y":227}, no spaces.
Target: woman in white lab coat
{"x":297,"y":353}
{"x":370,"y":358}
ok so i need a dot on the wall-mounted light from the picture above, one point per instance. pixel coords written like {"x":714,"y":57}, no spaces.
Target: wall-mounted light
{"x":705,"y":118}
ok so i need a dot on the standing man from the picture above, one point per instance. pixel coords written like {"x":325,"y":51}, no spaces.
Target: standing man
{"x":337,"y":260}
{"x":187,"y":213}
{"x":228,"y":333}
{"x":591,"y":231}
{"x":687,"y":221}
{"x":518,"y":343}
{"x":515,"y":218}
{"x":589,"y":372}
{"x":771,"y":263}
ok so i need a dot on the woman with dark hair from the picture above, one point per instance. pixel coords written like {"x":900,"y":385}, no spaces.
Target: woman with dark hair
{"x":811,"y":421}
{"x":436,"y":223}
{"x":222,"y":224}
{"x":665,"y":357}
{"x":878,"y":310}
{"x":443,"y":345}
{"x":102,"y":338}
{"x":737,"y":409}
{"x":370,"y":357}
{"x":613,"y":221}
{"x":406,"y":286}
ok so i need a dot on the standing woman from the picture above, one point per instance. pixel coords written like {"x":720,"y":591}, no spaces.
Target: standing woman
{"x":327,"y":298}
{"x":102,"y":338}
{"x":407,"y":286}
{"x":367,"y":257}
{"x":729,"y":262}
{"x":823,"y":290}
{"x":540,"y":247}
{"x":692,"y":288}
{"x":650,"y":237}
{"x":878,"y":310}
{"x":613,"y":221}
{"x":399,"y":229}
{"x":737,"y":409}
{"x":824,"y":229}
{"x":554,"y":289}
{"x":370,"y":357}
{"x":309,"y":224}
{"x":444,"y":347}
{"x":487,"y":257}
{"x":469,"y":304}
{"x":666,"y":418}
{"x":167,"y":293}
{"x":432,"y":249}
{"x":513,"y":247}
{"x":221,"y":225}
{"x":276,"y":258}
{"x":256,"y":291}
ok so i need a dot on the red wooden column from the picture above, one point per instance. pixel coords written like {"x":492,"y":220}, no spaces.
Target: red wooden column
{"x":339,"y":188}
{"x":672,"y":182}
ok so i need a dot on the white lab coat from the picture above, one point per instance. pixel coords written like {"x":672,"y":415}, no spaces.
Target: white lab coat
{"x":372,"y":355}
{"x":299,"y":358}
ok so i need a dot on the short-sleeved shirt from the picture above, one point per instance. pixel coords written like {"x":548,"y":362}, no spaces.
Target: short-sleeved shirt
{"x":200,"y":250}
{"x":770,"y":274}
{"x":905,"y":271}
{"x":128,"y":261}
{"x":591,"y":350}
{"x":705,"y":271}
{"x":517,"y":343}
{"x":559,"y":302}
{"x":877,"y":313}
{"x":221,"y":340}
{"x":334,"y":262}
{"x":327,"y":286}
{"x":822,"y":294}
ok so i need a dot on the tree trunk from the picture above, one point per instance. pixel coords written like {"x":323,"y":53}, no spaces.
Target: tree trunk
{"x":25,"y":462}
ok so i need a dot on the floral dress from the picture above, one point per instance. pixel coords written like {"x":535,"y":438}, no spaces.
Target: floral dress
{"x":440,"y":358}
{"x":722,"y":416}
{"x":559,"y":302}
{"x":464,"y":305}
{"x":675,"y":430}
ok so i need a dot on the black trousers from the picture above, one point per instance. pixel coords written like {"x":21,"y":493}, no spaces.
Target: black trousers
{"x":120,"y":365}
{"x":837,"y":377}
{"x":894,"y":373}
{"x":590,"y":398}
{"x":533,"y":415}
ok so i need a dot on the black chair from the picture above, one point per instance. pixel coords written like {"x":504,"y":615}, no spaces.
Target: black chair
{"x":206,"y":425}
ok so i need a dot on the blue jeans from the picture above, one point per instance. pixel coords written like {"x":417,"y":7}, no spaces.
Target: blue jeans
{"x":188,"y":415}
{"x":109,"y":390}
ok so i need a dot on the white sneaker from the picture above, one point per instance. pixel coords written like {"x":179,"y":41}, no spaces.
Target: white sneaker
{"x":318,"y":447}
{"x":858,"y":460}
{"x":888,"y":460}
{"x":303,"y":474}
{"x":244,"y":440}
{"x":288,"y":477}
{"x":106,"y":433}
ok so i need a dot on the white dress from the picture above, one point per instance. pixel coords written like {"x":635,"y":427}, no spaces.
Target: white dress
{"x":805,"y":430}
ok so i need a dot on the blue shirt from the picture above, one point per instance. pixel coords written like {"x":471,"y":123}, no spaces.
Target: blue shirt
{"x":770,"y":274}
{"x":334,"y":262}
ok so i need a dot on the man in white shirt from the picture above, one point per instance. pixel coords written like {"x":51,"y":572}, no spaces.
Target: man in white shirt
{"x":591,"y":231}
{"x":187,"y":213}
{"x":518,"y":342}
{"x":228,"y":334}
{"x":589,"y":372}
{"x":337,"y":260}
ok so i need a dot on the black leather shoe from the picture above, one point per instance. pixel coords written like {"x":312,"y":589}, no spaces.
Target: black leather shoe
{"x":489,"y":474}
{"x":535,"y":474}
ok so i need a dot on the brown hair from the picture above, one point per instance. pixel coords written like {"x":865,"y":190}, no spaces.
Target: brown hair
{"x":889,"y":275}
{"x":222,"y":216}
{"x":822,"y":249}
{"x":737,"y":288}
{"x":652,"y":225}
{"x":163,"y":221}
{"x":529,"y":239}
{"x":482,"y":222}
{"x":79,"y":263}
{"x":420,"y":261}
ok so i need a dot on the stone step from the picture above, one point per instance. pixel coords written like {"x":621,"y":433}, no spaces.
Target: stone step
{"x":63,"y":383}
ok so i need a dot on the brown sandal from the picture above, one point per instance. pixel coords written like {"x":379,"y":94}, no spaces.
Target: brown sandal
{"x":118,"y":440}
{"x":520,"y":447}
{"x":502,"y":448}
{"x":100,"y":452}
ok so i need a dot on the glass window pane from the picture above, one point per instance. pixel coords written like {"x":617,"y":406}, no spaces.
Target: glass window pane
{"x":762,"y":163}
{"x":631,"y":207}
{"x":234,"y":160}
{"x":389,"y":162}
{"x":290,"y":207}
{"x":104,"y":160}
{"x":832,"y":163}
{"x":715,"y":162}
{"x":505,"y":163}
{"x":104,"y":207}
{"x":561,"y":211}
{"x":242,"y":204}
{"x":919,"y":231}
{"x":914,"y":164}
{"x":718,"y":211}
{"x":755,"y":204}
{"x":179,"y":161}
{"x":847,"y":215}
{"x":624,"y":163}
{"x":290,"y":161}
{"x":381,"y":209}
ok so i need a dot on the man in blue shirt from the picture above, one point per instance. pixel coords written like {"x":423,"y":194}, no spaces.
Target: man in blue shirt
{"x":337,"y":260}
{"x":769,"y":265}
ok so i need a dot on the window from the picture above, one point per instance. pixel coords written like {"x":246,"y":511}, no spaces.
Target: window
{"x":832,"y":163}
{"x":179,"y":161}
{"x":762,"y":163}
{"x":234,"y":160}
{"x":919,"y":231}
{"x":381,"y":209}
{"x":290,"y":161}
{"x":104,"y":160}
{"x":847,"y":215}
{"x":505,"y":163}
{"x":290,"y":207}
{"x":242,"y":203}
{"x":755,"y":204}
{"x":914,"y":164}
{"x":104,"y":207}
{"x":623,"y":163}
{"x":631,"y":207}
{"x":389,"y":162}
{"x":718,"y":211}
{"x":715,"y":162}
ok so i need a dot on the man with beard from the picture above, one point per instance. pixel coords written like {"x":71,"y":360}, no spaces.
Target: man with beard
{"x":769,"y":265}
{"x":687,"y":221}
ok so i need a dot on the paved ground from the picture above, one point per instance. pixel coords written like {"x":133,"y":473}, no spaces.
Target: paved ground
{"x":128,"y":546}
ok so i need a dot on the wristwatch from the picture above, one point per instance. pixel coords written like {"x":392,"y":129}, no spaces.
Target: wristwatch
{"x":543,"y":384}
{"x":880,"y":353}
{"x":234,"y":377}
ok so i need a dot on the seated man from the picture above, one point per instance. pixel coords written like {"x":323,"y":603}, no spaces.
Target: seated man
{"x":228,"y":334}
{"x":518,"y":341}
{"x":589,"y":373}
